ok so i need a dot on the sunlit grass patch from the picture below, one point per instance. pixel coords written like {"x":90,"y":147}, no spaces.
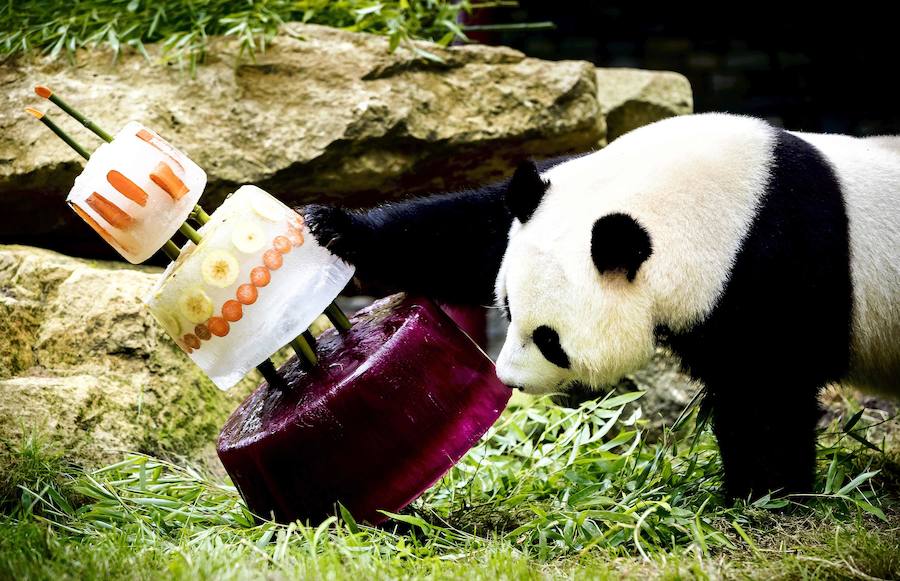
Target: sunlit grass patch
{"x":550,"y":491}
{"x":61,"y":27}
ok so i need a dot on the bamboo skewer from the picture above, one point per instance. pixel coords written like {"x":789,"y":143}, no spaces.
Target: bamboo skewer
{"x":337,"y":317}
{"x":302,"y":345}
{"x":46,"y":93}
{"x":303,"y":350}
{"x":59,"y":132}
{"x":171,"y":250}
{"x":190,"y":233}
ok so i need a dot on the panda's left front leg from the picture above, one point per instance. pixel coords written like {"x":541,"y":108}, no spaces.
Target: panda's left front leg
{"x":766,"y":432}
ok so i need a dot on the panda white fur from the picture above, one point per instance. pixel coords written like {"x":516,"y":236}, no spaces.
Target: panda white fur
{"x":769,"y":261}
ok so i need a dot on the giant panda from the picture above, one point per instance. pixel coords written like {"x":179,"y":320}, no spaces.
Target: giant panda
{"x":767,"y":260}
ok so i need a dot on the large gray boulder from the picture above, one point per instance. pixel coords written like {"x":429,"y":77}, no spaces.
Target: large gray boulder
{"x":83,"y":363}
{"x":321,"y":114}
{"x":630,"y":98}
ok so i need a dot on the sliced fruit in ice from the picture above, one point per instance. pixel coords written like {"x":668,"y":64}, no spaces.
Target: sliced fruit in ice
{"x":136,"y":191}
{"x":272,"y":259}
{"x":246,"y":294}
{"x":218,"y":326}
{"x":220,"y":268}
{"x":260,"y":276}
{"x":168,"y":322}
{"x":268,"y":207}
{"x":232,"y":311}
{"x":191,"y":341}
{"x":295,"y":236}
{"x":127,"y":188}
{"x":393,"y":403}
{"x":165,"y":178}
{"x":238,"y":295}
{"x":202,"y":331}
{"x":195,"y":305}
{"x":248,"y":237}
{"x":282,"y":244}
{"x":114,"y":215}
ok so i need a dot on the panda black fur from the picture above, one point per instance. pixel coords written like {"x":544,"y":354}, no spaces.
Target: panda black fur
{"x":769,"y":261}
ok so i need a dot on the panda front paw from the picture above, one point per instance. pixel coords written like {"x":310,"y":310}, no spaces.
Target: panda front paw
{"x":334,"y":228}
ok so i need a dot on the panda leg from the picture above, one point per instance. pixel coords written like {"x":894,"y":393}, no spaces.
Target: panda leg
{"x":767,"y":439}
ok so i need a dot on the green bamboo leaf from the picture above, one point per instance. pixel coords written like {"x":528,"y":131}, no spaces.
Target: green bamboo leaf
{"x":348,"y":519}
{"x":853,"y":420}
{"x":621,"y":400}
{"x":856,"y":482}
{"x":864,"y":441}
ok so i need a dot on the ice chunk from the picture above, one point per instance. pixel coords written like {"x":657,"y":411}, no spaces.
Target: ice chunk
{"x":136,"y":191}
{"x":255,"y":282}
{"x":393,"y":403}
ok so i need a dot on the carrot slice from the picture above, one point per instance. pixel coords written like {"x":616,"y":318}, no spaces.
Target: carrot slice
{"x":295,"y":236}
{"x":145,"y":135}
{"x":114,"y":215}
{"x":282,"y":244}
{"x":202,"y":332}
{"x":232,"y":311}
{"x":127,"y":188}
{"x":260,"y":276}
{"x":272,"y":259}
{"x":97,"y":227}
{"x":218,"y":326}
{"x":164,"y":177}
{"x":246,"y":294}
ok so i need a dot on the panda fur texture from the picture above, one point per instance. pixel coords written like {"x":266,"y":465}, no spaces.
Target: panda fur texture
{"x":769,"y":261}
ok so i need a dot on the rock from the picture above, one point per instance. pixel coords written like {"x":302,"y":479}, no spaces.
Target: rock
{"x":668,"y":389}
{"x":630,"y":98}
{"x":83,"y":362}
{"x":322,"y":114}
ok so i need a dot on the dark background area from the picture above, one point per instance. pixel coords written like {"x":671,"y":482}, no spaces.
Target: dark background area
{"x":811,"y":68}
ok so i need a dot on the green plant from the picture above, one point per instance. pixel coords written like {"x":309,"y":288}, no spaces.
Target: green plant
{"x":61,"y":27}
{"x":551,"y":480}
{"x":549,"y":491}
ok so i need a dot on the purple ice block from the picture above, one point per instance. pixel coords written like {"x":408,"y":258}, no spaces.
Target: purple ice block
{"x":471,"y":319}
{"x":391,"y":406}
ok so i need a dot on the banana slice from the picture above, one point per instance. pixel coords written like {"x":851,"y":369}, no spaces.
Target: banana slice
{"x":169,"y":322}
{"x":248,"y":237}
{"x":195,"y":305}
{"x":268,"y":207}
{"x":219,"y":268}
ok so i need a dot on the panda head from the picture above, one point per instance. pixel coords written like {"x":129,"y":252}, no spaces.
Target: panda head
{"x":577,"y":299}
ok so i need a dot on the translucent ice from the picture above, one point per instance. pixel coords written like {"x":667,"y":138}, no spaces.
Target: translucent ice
{"x":393,"y":403}
{"x":136,"y":191}
{"x":255,"y":282}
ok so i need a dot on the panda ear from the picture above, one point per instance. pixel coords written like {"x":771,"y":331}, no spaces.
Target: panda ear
{"x":525,"y":191}
{"x":619,"y":243}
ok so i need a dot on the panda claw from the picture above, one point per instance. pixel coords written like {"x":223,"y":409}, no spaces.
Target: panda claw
{"x":333,"y":228}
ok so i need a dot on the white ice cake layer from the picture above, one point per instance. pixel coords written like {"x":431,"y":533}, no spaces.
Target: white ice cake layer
{"x":256,"y":281}
{"x":136,"y":191}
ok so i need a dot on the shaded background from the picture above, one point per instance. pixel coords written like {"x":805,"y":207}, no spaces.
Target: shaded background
{"x":805,"y":68}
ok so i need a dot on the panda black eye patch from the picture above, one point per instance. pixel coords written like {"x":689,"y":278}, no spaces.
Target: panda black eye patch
{"x":547,"y":342}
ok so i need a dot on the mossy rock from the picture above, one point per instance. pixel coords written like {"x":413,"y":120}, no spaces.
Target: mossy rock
{"x":83,"y":363}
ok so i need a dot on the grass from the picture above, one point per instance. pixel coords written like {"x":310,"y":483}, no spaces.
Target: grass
{"x":61,"y":27}
{"x":550,"y":491}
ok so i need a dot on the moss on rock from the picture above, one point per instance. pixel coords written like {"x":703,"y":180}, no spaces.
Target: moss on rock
{"x":83,"y":363}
